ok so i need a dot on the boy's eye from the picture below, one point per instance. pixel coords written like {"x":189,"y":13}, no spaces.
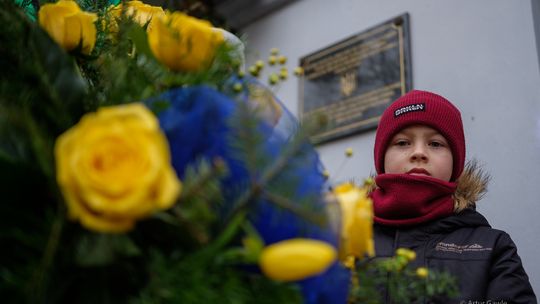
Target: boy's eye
{"x":401,"y":142}
{"x":436,"y":144}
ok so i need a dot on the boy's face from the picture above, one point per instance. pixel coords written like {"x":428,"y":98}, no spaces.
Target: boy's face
{"x":419,"y":150}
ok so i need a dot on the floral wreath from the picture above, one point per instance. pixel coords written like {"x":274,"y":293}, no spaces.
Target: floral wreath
{"x":141,"y":164}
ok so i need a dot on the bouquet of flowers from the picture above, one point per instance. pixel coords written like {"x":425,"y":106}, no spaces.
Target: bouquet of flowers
{"x":139,"y":164}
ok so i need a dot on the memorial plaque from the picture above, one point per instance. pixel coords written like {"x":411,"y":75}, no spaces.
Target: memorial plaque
{"x":353,"y":81}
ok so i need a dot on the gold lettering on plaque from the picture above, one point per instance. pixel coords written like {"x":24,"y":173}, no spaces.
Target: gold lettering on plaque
{"x":348,"y":83}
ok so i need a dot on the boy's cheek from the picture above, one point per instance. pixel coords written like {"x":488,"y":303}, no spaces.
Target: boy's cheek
{"x":394,"y":161}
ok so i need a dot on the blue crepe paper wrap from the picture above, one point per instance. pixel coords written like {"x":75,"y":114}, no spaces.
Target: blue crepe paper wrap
{"x":197,"y":127}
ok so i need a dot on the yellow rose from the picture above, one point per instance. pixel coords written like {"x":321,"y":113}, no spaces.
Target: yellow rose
{"x":296,"y":259}
{"x":357,"y":221}
{"x":140,"y":12}
{"x":113,"y":168}
{"x":183,"y":43}
{"x":68,"y":25}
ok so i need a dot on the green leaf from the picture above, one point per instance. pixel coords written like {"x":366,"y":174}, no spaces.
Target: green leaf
{"x":68,"y":87}
{"x":104,"y":249}
{"x":138,"y":36}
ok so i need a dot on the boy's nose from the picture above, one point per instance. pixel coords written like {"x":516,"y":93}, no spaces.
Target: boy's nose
{"x":419,"y":154}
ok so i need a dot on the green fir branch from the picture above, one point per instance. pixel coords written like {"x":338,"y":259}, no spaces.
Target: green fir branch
{"x":284,"y":203}
{"x":267,"y":172}
{"x":177,"y":280}
{"x":38,"y":284}
{"x":246,"y":141}
{"x":201,"y":193}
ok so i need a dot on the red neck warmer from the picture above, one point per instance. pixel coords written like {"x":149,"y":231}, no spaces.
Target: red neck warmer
{"x":405,"y":200}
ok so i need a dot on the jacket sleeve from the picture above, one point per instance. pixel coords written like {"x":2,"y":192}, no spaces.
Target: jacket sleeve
{"x":508,"y":280}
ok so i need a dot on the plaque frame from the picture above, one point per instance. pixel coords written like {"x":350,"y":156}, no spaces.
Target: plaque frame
{"x":370,"y":102}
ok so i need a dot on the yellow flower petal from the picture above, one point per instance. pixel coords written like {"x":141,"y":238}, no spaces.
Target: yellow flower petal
{"x":68,"y":25}
{"x":113,"y":168}
{"x":51,"y":18}
{"x":357,"y":221}
{"x":105,"y":224}
{"x":296,"y":259}
{"x":72,"y":32}
{"x":89,"y":32}
{"x":183,"y":43}
{"x":168,"y":189}
{"x":142,"y":13}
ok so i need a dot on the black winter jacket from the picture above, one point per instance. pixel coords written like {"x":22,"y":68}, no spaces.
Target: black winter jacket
{"x":483,"y":259}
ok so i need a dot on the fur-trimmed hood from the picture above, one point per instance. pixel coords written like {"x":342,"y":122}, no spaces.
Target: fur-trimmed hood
{"x":472,"y":185}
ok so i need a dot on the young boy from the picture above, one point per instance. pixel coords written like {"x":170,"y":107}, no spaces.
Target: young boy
{"x":425,"y":201}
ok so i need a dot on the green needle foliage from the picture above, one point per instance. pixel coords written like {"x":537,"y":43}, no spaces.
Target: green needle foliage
{"x":182,"y":255}
{"x":402,"y":281}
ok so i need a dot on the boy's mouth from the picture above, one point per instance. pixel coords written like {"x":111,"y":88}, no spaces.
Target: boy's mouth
{"x":418,"y":171}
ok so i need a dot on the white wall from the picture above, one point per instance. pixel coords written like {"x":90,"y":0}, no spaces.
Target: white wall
{"x":479,"y":54}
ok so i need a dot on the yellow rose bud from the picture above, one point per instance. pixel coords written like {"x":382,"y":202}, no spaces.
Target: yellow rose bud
{"x":237,"y":87}
{"x":113,"y":168}
{"x":68,"y":25}
{"x":274,"y":51}
{"x":282,"y":59}
{"x":422,"y":272}
{"x":283,"y":74}
{"x":273,"y":79}
{"x":253,"y":71}
{"x":357,"y":221}
{"x":272,"y":60}
{"x":241,"y":74}
{"x":349,"y":152}
{"x":410,"y":255}
{"x":140,"y":12}
{"x":296,"y":259}
{"x":298,"y":71}
{"x":401,"y":251}
{"x":259,"y":64}
{"x":183,"y":43}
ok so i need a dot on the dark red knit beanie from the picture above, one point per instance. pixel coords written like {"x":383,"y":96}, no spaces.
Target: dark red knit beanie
{"x":422,"y":108}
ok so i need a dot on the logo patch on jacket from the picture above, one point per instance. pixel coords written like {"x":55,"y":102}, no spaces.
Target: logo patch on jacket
{"x":451,"y":247}
{"x":410,"y":108}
